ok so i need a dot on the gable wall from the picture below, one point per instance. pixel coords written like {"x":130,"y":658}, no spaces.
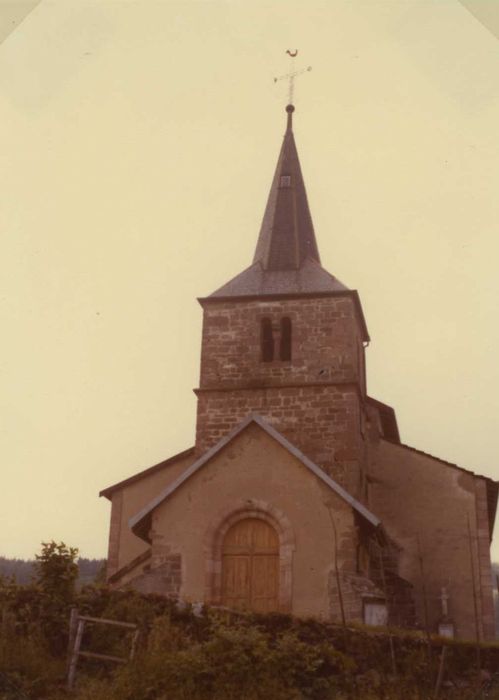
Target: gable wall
{"x":254,"y":468}
{"x":420,"y":498}
{"x":126,"y":502}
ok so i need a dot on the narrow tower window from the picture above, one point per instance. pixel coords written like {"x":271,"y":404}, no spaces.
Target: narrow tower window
{"x":285,"y":180}
{"x":285,"y":349}
{"x":267,"y":340}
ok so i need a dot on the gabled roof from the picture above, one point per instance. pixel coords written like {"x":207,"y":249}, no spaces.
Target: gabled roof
{"x":130,"y":566}
{"x":310,"y":278}
{"x":140,"y":523}
{"x":107,"y":492}
{"x":438,"y":459}
{"x":491,"y":485}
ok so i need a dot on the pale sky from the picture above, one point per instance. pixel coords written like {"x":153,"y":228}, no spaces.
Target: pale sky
{"x":138,"y":140}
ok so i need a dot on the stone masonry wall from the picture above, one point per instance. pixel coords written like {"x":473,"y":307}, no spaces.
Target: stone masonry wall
{"x":164,"y":575}
{"x":425,"y":505}
{"x":326,"y":342}
{"x":323,"y":421}
{"x":313,"y":399}
{"x":162,"y":580}
{"x":114,"y":534}
{"x":484,"y":573}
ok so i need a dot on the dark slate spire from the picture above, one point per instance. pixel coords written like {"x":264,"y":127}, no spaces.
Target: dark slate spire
{"x":287,"y":235}
{"x":286,"y":258}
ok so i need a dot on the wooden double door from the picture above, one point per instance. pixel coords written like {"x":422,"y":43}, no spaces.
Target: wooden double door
{"x":250,"y":566}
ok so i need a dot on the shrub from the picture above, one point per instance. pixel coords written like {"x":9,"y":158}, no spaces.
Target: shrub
{"x":210,"y":654}
{"x":56,"y":572}
{"x":27,"y":668}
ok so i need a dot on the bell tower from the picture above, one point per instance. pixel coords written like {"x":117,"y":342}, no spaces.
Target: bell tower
{"x":285,"y":339}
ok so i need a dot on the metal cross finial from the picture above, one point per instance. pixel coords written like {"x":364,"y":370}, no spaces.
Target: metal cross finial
{"x":291,"y":76}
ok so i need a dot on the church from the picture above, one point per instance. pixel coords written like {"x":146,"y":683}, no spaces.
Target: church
{"x":299,"y":496}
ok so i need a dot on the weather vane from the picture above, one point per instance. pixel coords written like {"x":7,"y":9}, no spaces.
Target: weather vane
{"x":291,"y":76}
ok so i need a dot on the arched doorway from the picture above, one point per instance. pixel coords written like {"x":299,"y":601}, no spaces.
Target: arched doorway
{"x":250,"y":566}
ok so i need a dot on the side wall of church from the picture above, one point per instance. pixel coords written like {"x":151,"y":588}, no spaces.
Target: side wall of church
{"x":425,"y":505}
{"x":253,"y":470}
{"x":127,"y":501}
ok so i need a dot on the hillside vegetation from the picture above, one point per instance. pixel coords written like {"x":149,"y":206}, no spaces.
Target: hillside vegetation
{"x":192,"y":653}
{"x":23,"y":570}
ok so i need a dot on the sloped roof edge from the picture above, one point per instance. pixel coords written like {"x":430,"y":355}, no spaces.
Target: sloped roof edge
{"x":130,"y":566}
{"x":492,"y":486}
{"x":145,"y":472}
{"x":353,"y":293}
{"x":438,"y":459}
{"x":309,"y":278}
{"x":139,"y":523}
{"x":287,"y":235}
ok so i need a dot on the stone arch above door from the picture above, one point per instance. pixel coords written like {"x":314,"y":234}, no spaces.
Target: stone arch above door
{"x":215,"y":535}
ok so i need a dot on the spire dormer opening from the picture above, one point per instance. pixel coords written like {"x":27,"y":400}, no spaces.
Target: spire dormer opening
{"x":287,"y":238}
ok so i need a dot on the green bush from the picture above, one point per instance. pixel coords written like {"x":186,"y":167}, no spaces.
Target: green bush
{"x":235,"y":662}
{"x":211,"y":654}
{"x":27,"y":668}
{"x":56,"y":572}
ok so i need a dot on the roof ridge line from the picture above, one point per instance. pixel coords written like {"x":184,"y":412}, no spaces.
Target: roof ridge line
{"x":140,"y":521}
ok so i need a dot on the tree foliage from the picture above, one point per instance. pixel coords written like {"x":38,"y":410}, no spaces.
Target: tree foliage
{"x":23,"y":570}
{"x":56,"y":570}
{"x":55,"y":576}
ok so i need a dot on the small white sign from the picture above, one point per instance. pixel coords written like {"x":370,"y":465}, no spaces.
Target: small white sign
{"x":446,"y":629}
{"x":376,"y":614}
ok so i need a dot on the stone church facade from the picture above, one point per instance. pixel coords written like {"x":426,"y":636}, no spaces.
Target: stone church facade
{"x":298,"y":495}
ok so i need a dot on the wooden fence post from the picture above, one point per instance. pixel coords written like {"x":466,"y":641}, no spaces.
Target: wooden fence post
{"x":74,"y":655}
{"x":73,"y":625}
{"x":135,"y":639}
{"x":440,"y":675}
{"x":76,"y":627}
